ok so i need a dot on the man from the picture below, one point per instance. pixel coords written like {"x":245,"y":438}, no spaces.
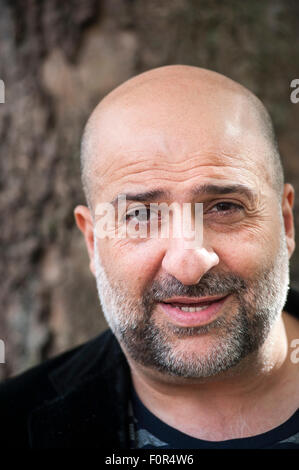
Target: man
{"x":199,"y":350}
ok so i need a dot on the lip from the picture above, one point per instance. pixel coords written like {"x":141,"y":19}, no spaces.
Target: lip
{"x":193,"y":300}
{"x":191,"y":319}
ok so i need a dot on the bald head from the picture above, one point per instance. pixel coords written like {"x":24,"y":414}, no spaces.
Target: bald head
{"x":169,"y":98}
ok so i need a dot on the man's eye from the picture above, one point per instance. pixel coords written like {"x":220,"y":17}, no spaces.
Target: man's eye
{"x":225,"y":208}
{"x":141,"y":215}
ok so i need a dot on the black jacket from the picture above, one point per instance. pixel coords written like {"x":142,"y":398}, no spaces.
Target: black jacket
{"x":78,"y":399}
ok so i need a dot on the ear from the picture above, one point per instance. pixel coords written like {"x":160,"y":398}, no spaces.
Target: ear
{"x":287,"y":212}
{"x":85,"y":224}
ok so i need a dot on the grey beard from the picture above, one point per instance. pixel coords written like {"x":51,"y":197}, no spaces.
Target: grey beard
{"x":258,"y":304}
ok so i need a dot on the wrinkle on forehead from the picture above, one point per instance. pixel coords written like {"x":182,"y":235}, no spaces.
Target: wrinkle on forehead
{"x":159,"y":165}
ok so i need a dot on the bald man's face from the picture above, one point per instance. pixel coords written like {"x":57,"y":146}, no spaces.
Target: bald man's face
{"x":202,"y":147}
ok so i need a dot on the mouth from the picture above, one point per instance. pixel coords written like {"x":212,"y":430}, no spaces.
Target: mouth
{"x":188,"y":311}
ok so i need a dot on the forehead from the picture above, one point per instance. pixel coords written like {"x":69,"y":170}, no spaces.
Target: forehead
{"x":178,"y":140}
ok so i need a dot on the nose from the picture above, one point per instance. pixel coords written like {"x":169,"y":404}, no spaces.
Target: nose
{"x":188,"y":265}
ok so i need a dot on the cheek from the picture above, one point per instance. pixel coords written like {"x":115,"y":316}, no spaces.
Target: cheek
{"x":247,"y":252}
{"x":132,"y":265}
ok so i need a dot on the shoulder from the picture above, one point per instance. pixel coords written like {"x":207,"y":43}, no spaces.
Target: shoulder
{"x":21,"y":394}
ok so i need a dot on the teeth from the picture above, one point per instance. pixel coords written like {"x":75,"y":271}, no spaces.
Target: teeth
{"x":192,"y":309}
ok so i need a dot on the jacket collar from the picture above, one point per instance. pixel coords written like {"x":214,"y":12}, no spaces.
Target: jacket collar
{"x":91,"y":406}
{"x":97,"y":357}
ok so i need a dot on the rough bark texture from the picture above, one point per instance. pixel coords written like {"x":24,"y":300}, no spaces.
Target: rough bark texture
{"x":58,"y":59}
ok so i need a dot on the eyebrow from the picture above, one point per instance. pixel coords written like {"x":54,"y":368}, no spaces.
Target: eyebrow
{"x":147,"y":196}
{"x":240,"y":189}
{"x":201,"y":190}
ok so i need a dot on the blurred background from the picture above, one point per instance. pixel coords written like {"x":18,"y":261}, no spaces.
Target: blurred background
{"x":58,"y":59}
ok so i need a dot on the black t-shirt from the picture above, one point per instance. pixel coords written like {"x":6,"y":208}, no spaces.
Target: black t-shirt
{"x":149,"y":432}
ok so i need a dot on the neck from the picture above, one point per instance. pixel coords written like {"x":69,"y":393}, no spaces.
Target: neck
{"x":248,"y":393}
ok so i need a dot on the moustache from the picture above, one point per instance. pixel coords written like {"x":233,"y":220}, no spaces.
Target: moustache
{"x":210,"y":284}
